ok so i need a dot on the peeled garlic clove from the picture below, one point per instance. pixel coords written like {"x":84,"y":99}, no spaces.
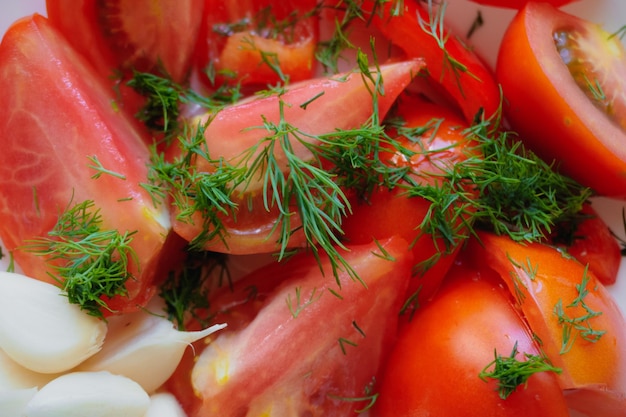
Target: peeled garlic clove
{"x":13,"y":401}
{"x":15,"y":376}
{"x":93,"y":394}
{"x":164,"y":404}
{"x":41,"y":330}
{"x":144,"y":347}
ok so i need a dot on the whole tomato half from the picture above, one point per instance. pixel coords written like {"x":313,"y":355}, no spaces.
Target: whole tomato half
{"x":435,"y":367}
{"x":563,"y":82}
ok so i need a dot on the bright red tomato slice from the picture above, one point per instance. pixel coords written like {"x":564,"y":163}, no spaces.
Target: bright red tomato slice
{"x":312,"y":108}
{"x":131,"y":34}
{"x":434,"y":367}
{"x":592,"y":243}
{"x":450,"y":62}
{"x":257,"y":42}
{"x":563,"y":82}
{"x":580,"y":327}
{"x":436,"y":135}
{"x":518,"y":4}
{"x":54,"y":118}
{"x":314,"y":348}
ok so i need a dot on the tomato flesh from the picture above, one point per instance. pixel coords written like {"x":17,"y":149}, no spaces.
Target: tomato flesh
{"x":54,"y":117}
{"x":569,"y":129}
{"x":238,"y":128}
{"x":257,"y":43}
{"x":317,"y":361}
{"x":131,"y":34}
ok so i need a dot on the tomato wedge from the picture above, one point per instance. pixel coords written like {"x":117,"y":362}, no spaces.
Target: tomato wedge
{"x":434,"y":368}
{"x":314,"y":348}
{"x":131,"y":34}
{"x":451,"y":63}
{"x":592,"y":243}
{"x":59,"y":132}
{"x":257,"y":43}
{"x":581,"y":328}
{"x":304,"y":111}
{"x":569,"y":112}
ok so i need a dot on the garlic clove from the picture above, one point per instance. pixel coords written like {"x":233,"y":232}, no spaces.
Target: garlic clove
{"x":93,"y":394}
{"x":41,"y":330}
{"x":13,"y":401}
{"x":144,"y":347}
{"x":164,"y":404}
{"x":15,"y":376}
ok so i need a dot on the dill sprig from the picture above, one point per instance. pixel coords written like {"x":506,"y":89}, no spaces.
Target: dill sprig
{"x":511,"y":372}
{"x":579,"y":326}
{"x":91,"y":264}
{"x":186,"y":291}
{"x":192,"y":191}
{"x":165,"y":100}
{"x":520,"y":194}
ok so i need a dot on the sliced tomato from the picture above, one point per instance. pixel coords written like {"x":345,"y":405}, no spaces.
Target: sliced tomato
{"x":435,"y":367}
{"x":420,"y":32}
{"x":315,"y":347}
{"x":117,"y":35}
{"x":257,"y":42}
{"x":58,"y":124}
{"x":592,"y":243}
{"x":581,"y":329}
{"x":563,"y":82}
{"x":519,"y":4}
{"x":437,"y":136}
{"x":311,"y":108}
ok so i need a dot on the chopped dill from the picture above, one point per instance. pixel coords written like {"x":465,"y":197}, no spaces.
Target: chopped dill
{"x":91,"y":264}
{"x":511,"y":372}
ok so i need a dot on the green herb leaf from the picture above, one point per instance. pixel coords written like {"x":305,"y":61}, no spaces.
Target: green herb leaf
{"x":92,"y":264}
{"x":512,"y":373}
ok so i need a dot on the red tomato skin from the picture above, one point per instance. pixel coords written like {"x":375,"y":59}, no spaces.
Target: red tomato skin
{"x":236,"y":56}
{"x":434,"y":366}
{"x":392,"y":212}
{"x":53,"y":118}
{"x":519,"y":4}
{"x":594,"y":245}
{"x":300,"y":369}
{"x":229,"y":134}
{"x":540,"y":277}
{"x":473,"y":91}
{"x":554,"y":117}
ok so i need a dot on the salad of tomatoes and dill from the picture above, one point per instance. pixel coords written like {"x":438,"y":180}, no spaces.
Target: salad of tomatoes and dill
{"x":338,"y":205}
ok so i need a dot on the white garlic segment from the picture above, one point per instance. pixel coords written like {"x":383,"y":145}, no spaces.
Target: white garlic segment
{"x":93,"y":394}
{"x":41,"y":330}
{"x":15,"y":376}
{"x":144,"y":347}
{"x":164,"y":404}
{"x":13,"y":401}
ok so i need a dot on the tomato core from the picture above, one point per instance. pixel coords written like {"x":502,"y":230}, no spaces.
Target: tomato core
{"x":596,"y":60}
